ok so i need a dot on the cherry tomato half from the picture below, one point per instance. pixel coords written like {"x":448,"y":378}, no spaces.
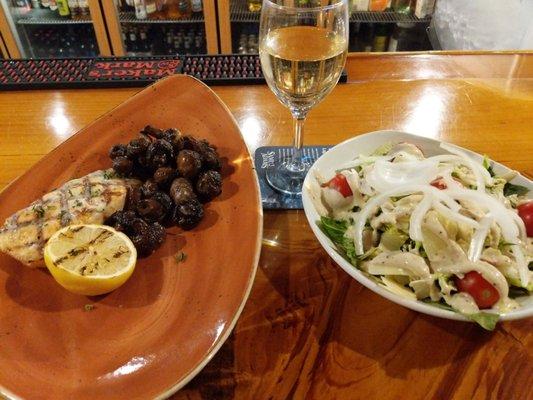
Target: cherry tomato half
{"x":483,"y":292}
{"x":526,"y":213}
{"x":340,"y":184}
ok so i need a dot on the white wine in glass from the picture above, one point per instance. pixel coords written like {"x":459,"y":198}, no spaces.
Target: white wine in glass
{"x":303,"y":51}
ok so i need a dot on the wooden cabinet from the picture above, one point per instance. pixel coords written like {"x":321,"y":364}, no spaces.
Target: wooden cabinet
{"x":3,"y":49}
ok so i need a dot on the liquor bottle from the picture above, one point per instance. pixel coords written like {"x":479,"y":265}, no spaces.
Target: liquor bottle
{"x":401,"y":6}
{"x":84,"y":8}
{"x":254,"y":5}
{"x":22,"y":5}
{"x":197,"y":7}
{"x":62,"y":6}
{"x":424,"y":8}
{"x":172,"y":11}
{"x":380,"y":38}
{"x":379,"y":5}
{"x":169,"y":44}
{"x":74,"y":8}
{"x":184,"y":8}
{"x":151,"y":8}
{"x":367,"y":37}
{"x":404,"y":37}
{"x":125,"y":38}
{"x":161,"y":9}
{"x":140,"y":9}
{"x":35,"y":4}
{"x":133,"y":48}
{"x":53,"y":5}
{"x":144,"y":45}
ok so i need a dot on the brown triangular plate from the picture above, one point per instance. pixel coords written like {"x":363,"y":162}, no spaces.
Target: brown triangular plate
{"x":152,"y":335}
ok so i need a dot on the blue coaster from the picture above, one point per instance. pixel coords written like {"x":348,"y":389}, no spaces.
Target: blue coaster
{"x":265,"y":157}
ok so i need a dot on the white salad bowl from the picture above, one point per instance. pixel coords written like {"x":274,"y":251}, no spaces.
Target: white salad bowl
{"x":346,"y":151}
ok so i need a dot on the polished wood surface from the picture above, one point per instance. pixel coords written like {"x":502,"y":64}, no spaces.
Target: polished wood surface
{"x":113,"y":28}
{"x":3,"y":48}
{"x":99,"y":28}
{"x":7,"y":35}
{"x":224,"y":26}
{"x":211,"y":34}
{"x":308,"y":329}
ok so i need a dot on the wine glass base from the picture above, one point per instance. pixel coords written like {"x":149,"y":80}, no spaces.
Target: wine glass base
{"x":288,"y":180}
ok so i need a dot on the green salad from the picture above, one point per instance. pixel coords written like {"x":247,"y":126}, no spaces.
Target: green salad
{"x":444,"y":229}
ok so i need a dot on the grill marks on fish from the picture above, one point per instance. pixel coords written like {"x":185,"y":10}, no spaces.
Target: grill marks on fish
{"x":86,"y":200}
{"x":64,"y":215}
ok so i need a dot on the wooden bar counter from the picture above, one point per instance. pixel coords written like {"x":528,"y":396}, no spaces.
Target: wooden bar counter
{"x":309,"y":331}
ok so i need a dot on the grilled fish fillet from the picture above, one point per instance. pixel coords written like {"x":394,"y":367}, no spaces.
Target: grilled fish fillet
{"x":87,"y":200}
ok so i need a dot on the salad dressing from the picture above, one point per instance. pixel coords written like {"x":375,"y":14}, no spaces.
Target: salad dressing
{"x":421,"y":224}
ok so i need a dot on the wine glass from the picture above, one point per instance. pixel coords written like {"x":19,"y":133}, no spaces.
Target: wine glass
{"x":302,"y":46}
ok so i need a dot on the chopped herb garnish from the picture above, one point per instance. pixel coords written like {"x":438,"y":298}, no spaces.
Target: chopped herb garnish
{"x":109,"y":174}
{"x":88,"y":307}
{"x":39,"y":210}
{"x":180,"y":257}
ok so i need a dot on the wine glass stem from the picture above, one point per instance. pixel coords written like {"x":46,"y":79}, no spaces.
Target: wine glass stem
{"x":296,"y":164}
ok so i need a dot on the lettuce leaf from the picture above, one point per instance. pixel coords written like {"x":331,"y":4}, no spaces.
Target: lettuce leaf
{"x":509,"y":189}
{"x":486,"y":320}
{"x":393,"y":239}
{"x":487,"y":164}
{"x":383,"y":149}
{"x":335,"y":230}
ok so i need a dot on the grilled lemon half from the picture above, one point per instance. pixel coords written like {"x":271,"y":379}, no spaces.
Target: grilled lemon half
{"x":90,"y":259}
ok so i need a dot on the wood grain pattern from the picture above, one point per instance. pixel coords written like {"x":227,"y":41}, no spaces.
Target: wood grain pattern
{"x":308,"y":330}
{"x":113,"y":28}
{"x":99,"y":28}
{"x":3,"y":48}
{"x":224,"y":26}
{"x":8,"y":36}
{"x":211,"y":34}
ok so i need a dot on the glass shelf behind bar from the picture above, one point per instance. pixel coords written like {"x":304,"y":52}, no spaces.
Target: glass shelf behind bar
{"x":239,"y":13}
{"x":129,"y":18}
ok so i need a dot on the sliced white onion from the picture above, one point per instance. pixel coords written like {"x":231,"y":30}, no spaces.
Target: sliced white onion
{"x":478,"y":239}
{"x":521,"y":226}
{"x":398,"y":263}
{"x":361,"y":160}
{"x":372,"y":205}
{"x":462,"y":302}
{"x":502,"y":215}
{"x":481,"y":174}
{"x":521,"y":264}
{"x":454,"y":215}
{"x":385,"y":175}
{"x":415,"y":222}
